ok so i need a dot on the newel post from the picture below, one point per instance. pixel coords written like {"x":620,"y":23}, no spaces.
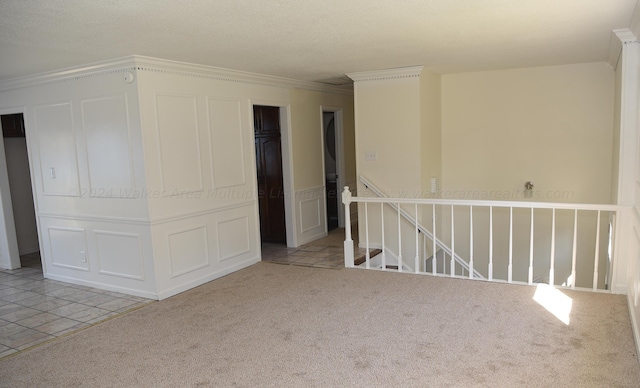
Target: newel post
{"x":348,"y":242}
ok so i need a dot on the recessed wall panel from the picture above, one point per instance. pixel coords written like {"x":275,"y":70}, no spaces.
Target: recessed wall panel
{"x":310,"y":216}
{"x":68,"y":248}
{"x":188,"y":250}
{"x":233,"y":238}
{"x":227,"y":150}
{"x":56,"y":141}
{"x":106,"y":126}
{"x":179,"y":143}
{"x":119,"y":254}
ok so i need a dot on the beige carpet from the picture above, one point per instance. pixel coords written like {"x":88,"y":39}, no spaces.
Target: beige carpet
{"x":287,"y":326}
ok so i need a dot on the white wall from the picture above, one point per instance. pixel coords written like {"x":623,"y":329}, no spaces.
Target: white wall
{"x":85,"y":154}
{"x":144,"y":169}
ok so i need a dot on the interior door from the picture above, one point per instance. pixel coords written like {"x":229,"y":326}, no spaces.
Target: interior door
{"x":269,"y":172}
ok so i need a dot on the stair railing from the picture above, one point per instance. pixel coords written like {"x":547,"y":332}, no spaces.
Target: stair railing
{"x":436,"y":242}
{"x":565,"y":234}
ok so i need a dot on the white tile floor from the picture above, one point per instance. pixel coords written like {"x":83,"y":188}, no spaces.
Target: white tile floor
{"x":34,"y":310}
{"x":327,"y":252}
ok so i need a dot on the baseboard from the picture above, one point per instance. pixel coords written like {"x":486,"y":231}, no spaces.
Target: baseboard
{"x":103,"y":286}
{"x":205,"y":279}
{"x":302,"y":239}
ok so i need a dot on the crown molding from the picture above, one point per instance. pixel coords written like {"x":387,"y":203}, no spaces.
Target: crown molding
{"x":619,"y":38}
{"x":376,"y":75}
{"x":141,"y":63}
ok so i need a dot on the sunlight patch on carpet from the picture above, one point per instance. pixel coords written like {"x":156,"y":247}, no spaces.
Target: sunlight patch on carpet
{"x":554,"y":301}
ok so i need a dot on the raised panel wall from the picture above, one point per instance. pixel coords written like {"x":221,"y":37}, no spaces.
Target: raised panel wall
{"x":177,"y":120}
{"x":106,"y":126}
{"x":68,"y":248}
{"x":57,"y":149}
{"x":119,"y":254}
{"x":188,"y":250}
{"x":311,"y":209}
{"x":233,"y":238}
{"x":227,"y":151}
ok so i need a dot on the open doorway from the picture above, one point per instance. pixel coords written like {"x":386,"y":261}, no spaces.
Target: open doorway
{"x":19,"y":210}
{"x":271,"y":200}
{"x":333,"y":165}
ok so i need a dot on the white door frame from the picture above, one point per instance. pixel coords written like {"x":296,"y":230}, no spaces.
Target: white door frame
{"x":339,"y":136}
{"x":9,"y":253}
{"x":287,"y":164}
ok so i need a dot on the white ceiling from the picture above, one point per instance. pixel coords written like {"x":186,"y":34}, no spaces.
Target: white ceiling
{"x":309,"y":39}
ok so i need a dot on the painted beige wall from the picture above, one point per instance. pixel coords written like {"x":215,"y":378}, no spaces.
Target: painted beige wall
{"x":388,"y":123}
{"x":615,"y":170}
{"x":548,"y":125}
{"x":306,"y":124}
{"x":431,"y":119}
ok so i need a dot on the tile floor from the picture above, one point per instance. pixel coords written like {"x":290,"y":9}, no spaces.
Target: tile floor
{"x":34,"y":310}
{"x":327,"y":252}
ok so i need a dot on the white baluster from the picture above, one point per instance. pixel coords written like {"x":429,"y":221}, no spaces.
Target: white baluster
{"x":434,"y":261}
{"x":531,"y":251}
{"x":367,"y":254}
{"x":597,"y":254}
{"x":424,"y":250}
{"x":490,"y":243}
{"x":453,"y":245}
{"x":553,"y":248}
{"x":470,"y":242}
{"x":510,"y":268}
{"x":348,"y":242}
{"x":575,"y":249}
{"x":399,"y":243}
{"x":417,"y":260}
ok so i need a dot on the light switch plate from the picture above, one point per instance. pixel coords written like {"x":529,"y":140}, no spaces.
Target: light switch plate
{"x":371,"y":155}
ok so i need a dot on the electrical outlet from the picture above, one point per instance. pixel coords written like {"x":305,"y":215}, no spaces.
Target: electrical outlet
{"x":83,"y":257}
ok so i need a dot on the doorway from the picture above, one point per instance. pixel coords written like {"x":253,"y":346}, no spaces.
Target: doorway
{"x":271,"y":199}
{"x":330,"y":169}
{"x":18,"y":178}
{"x":333,"y":165}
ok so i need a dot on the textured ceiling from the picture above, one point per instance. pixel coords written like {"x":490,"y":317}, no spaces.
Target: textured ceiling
{"x":308,"y":39}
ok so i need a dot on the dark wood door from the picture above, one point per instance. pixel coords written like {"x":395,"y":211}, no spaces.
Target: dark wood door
{"x":269,"y":171}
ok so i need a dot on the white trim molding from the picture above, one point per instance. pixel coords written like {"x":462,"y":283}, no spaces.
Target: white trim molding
{"x":377,"y":75}
{"x":619,"y":38}
{"x":131,"y":64}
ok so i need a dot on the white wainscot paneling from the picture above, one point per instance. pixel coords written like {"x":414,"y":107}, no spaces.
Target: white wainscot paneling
{"x":68,"y":248}
{"x":188,"y":250}
{"x":310,"y":205}
{"x":106,"y":125}
{"x":119,"y":254}
{"x":233,"y":238}
{"x":227,"y":149}
{"x":179,"y":141}
{"x":56,"y":147}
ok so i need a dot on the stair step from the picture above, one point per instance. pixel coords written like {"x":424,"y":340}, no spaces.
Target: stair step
{"x":362,"y":258}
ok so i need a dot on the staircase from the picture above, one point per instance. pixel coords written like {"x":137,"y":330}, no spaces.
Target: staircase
{"x":441,"y":246}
